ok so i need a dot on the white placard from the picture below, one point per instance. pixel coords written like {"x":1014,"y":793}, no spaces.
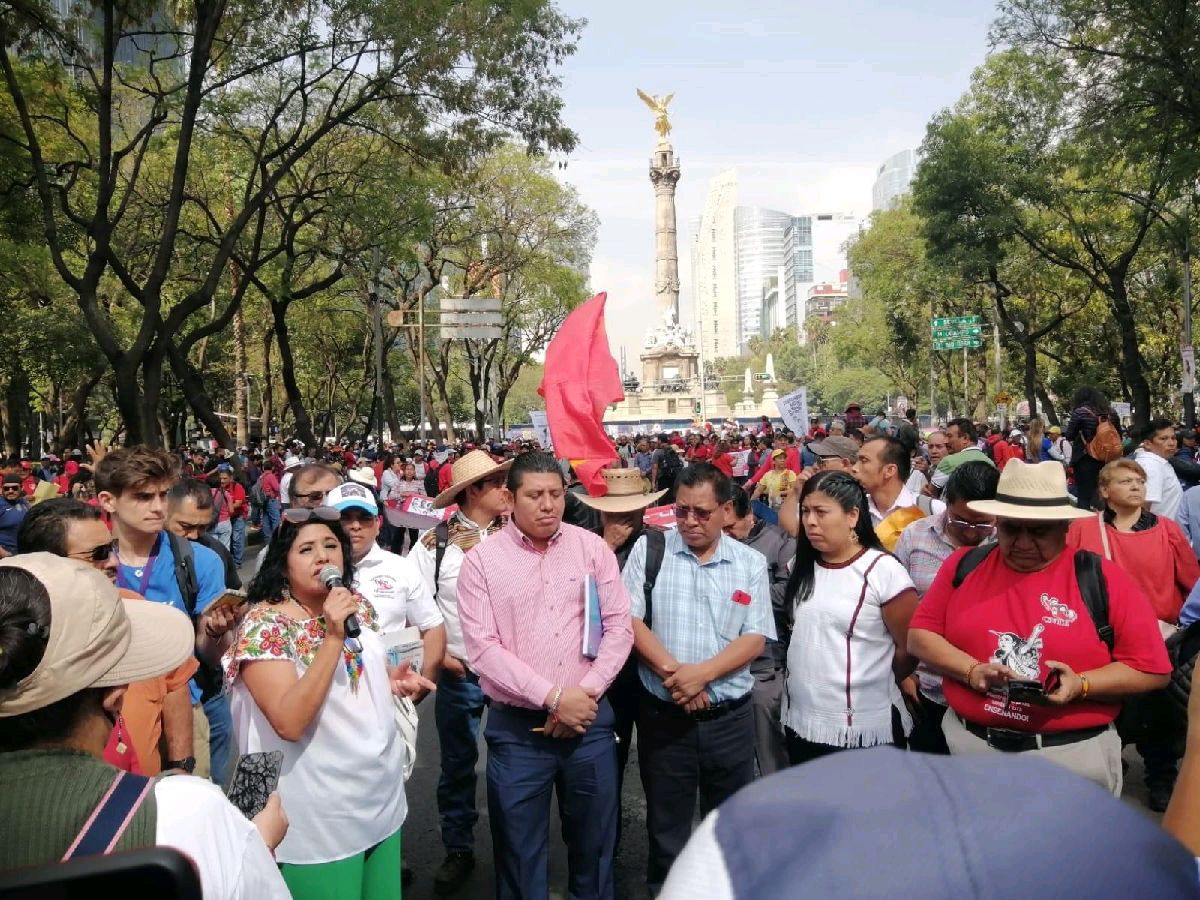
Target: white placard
{"x":541,"y":427}
{"x":741,"y":463}
{"x":793,"y":408}
{"x":1189,"y":369}
{"x":1123,"y":410}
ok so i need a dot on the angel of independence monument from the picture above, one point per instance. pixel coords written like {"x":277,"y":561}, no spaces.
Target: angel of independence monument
{"x":670,"y":391}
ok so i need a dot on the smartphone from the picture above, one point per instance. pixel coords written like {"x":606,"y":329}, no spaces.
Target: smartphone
{"x":1050,"y":685}
{"x":1026,"y":691}
{"x":231,"y":598}
{"x":254,"y":780}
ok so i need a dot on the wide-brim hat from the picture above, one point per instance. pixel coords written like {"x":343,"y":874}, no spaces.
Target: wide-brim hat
{"x":95,"y":638}
{"x":472,"y":467}
{"x":364,"y":475}
{"x":1031,"y":491}
{"x":836,"y":446}
{"x":626,"y":492}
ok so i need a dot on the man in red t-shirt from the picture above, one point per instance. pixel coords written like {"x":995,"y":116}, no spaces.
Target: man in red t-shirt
{"x":1020,"y":616}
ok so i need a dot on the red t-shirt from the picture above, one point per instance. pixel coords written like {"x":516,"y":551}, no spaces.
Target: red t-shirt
{"x":724,"y":462}
{"x":1022,"y":620}
{"x":445,"y":477}
{"x":226,"y":498}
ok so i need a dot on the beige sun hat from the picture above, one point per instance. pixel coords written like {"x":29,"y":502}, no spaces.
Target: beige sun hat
{"x":96,"y":639}
{"x":1031,"y":491}
{"x":474,"y":466}
{"x":626,"y":492}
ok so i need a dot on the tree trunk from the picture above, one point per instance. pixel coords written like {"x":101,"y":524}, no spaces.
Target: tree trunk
{"x":16,"y":401}
{"x":303,"y":423}
{"x":128,"y":396}
{"x":198,"y":400}
{"x":1029,"y":349}
{"x":67,"y":435}
{"x":267,"y":391}
{"x":1132,"y":367}
{"x":389,"y":404}
{"x":1047,"y":406}
{"x":240,"y":386}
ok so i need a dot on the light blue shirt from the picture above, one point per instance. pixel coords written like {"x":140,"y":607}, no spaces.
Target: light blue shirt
{"x":695,"y":615}
{"x":1188,"y":517}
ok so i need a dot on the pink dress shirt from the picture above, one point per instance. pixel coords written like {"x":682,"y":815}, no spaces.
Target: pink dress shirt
{"x":522,"y":614}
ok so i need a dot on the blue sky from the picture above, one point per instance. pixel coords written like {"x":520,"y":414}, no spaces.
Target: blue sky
{"x":805,"y":98}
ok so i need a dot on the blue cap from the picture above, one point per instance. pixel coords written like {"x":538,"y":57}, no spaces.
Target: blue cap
{"x":224,"y":467}
{"x":882,"y":822}
{"x":351,"y":495}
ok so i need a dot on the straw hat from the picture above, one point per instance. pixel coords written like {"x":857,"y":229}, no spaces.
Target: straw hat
{"x":1031,"y":491}
{"x":626,"y":492}
{"x":474,"y":466}
{"x":363,"y":475}
{"x":95,"y":638}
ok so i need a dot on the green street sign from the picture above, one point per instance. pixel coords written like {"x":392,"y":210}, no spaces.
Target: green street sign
{"x":958,"y":344}
{"x":958,"y":331}
{"x":953,"y":320}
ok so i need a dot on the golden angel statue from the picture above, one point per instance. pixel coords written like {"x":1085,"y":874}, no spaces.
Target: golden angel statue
{"x":659,"y":105}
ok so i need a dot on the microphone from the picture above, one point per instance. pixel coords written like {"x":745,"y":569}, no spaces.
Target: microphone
{"x":332,"y":578}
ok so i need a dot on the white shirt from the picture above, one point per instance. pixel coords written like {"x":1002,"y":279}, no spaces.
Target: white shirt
{"x":904,"y":499}
{"x":820,"y":663}
{"x":394,"y":586}
{"x":342,"y":783}
{"x":1164,"y":493}
{"x":446,"y":591}
{"x":194,"y":818}
{"x":916,"y":482}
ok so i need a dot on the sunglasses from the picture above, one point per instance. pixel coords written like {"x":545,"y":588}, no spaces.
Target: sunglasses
{"x":970,"y":526}
{"x":12,"y":487}
{"x":300,"y":515}
{"x":682,"y":513}
{"x":98,"y":554}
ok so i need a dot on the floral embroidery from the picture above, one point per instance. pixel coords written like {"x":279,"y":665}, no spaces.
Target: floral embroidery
{"x":268,"y":633}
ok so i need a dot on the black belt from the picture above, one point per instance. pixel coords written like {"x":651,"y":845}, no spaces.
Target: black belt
{"x":714,"y":711}
{"x":1008,"y":741}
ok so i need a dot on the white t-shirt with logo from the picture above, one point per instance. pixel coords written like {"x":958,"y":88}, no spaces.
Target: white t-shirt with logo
{"x":1164,"y":493}
{"x":394,"y":586}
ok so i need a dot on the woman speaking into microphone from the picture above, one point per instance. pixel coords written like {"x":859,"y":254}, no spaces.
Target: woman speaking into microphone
{"x":296,"y":685}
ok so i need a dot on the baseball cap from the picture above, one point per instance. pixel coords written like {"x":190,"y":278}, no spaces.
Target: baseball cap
{"x":806,"y":828}
{"x":351,"y":495}
{"x":96,"y":639}
{"x":836,"y":446}
{"x":775,"y":454}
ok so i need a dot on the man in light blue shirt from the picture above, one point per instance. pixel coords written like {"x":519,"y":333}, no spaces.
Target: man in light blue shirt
{"x":710,"y":617}
{"x":132,"y":485}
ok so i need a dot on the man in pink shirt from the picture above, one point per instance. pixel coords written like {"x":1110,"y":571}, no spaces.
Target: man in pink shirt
{"x":519,"y":598}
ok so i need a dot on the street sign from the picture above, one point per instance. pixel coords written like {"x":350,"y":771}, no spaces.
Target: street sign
{"x":954,"y":331}
{"x":395,"y":318}
{"x":469,"y":305}
{"x":761,"y":376}
{"x":958,"y":344}
{"x":471,"y":333}
{"x":470,"y":318}
{"x":943,"y":321}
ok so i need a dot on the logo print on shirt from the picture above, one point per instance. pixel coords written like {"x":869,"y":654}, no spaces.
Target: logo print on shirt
{"x":1022,"y":656}
{"x":1060,"y":613}
{"x":384,"y":584}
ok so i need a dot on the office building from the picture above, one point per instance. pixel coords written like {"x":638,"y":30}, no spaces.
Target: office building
{"x":894,"y":179}
{"x":714,"y":270}
{"x":815,"y":253}
{"x":759,"y":238}
{"x":823,"y":302}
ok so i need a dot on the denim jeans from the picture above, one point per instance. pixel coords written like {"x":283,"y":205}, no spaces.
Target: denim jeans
{"x":270,"y":519}
{"x":458,"y":709}
{"x":222,"y":531}
{"x":237,"y":539}
{"x":220,"y":737}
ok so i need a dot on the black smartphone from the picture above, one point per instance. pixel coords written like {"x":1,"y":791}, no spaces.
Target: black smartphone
{"x":1021,"y":690}
{"x":1050,"y":685}
{"x":254,"y":780}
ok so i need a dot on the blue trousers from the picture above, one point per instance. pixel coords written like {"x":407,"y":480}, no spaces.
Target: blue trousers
{"x":237,"y":539}
{"x":270,"y":519}
{"x":223,"y":532}
{"x":220,"y":737}
{"x":523,"y":770}
{"x":458,"y":710}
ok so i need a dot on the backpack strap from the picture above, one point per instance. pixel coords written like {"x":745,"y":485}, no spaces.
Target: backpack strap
{"x":970,"y":561}
{"x":656,"y":548}
{"x":925,"y":504}
{"x":1089,"y":574}
{"x":441,"y":536}
{"x":185,"y":572}
{"x":111,"y":817}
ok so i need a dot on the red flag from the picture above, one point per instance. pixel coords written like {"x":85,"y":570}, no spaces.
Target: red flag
{"x":580,"y":381}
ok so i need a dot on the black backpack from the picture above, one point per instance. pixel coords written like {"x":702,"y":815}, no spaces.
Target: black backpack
{"x":208,"y":678}
{"x":1088,"y":575}
{"x":668,"y":470}
{"x":1183,"y":647}
{"x":656,"y":548}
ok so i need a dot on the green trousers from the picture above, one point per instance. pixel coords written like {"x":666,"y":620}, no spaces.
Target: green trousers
{"x":371,"y":875}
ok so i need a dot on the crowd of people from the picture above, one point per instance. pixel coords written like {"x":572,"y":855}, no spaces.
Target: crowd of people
{"x":749,"y":604}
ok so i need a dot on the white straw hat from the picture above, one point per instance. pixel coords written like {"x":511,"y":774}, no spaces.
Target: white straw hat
{"x":474,"y":466}
{"x":626,"y":492}
{"x":1031,"y":491}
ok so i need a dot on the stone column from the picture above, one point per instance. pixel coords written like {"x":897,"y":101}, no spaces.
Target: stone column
{"x":664,"y":174}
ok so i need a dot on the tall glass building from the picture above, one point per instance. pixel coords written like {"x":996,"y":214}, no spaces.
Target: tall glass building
{"x":894,"y":179}
{"x":759,"y":238}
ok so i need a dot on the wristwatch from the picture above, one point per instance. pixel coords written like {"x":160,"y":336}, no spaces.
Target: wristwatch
{"x":187,"y":764}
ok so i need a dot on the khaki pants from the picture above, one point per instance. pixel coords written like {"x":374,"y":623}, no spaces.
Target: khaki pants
{"x":200,"y":742}
{"x":1097,"y":759}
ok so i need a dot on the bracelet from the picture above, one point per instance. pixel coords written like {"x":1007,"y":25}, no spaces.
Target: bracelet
{"x":1087,"y":686}
{"x":974,"y":666}
{"x":554,"y":702}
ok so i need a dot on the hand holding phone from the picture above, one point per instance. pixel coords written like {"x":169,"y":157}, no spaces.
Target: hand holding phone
{"x":254,"y":780}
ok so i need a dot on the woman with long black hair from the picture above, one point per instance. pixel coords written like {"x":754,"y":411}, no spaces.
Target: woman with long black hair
{"x":852,"y":602}
{"x":1088,"y":407}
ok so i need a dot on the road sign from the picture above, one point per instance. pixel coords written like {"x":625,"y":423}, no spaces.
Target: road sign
{"x":469,"y":305}
{"x":470,"y":318}
{"x":958,"y":344}
{"x":471,"y":333}
{"x":954,"y":331}
{"x":943,"y":321}
{"x":761,"y":376}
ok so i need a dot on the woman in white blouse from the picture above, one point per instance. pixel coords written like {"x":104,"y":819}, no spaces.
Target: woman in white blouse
{"x":852,"y":602}
{"x":299,"y":686}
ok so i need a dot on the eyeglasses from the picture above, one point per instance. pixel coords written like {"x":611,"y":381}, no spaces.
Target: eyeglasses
{"x":298,"y":515}
{"x":682,"y":513}
{"x":311,"y":499}
{"x":98,"y":554}
{"x":982,"y":528}
{"x":1012,"y":530}
{"x":12,"y":487}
